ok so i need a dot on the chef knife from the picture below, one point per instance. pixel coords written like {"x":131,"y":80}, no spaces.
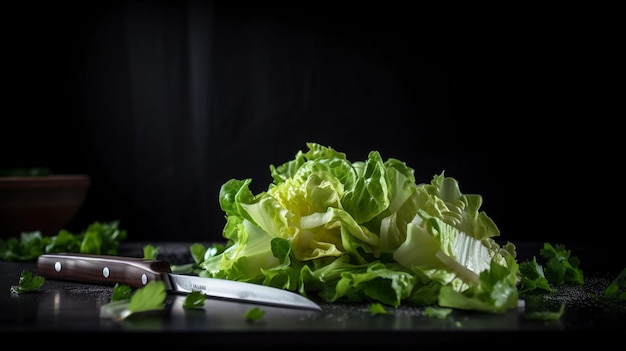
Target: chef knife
{"x":137,"y":272}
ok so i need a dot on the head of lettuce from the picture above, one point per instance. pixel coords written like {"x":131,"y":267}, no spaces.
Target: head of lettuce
{"x":364,"y":231}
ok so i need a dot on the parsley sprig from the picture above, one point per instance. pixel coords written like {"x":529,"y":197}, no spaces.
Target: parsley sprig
{"x":28,"y":282}
{"x":125,"y":303}
{"x":560,"y":268}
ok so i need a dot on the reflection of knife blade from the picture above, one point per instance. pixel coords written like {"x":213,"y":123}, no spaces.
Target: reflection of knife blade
{"x":137,"y":272}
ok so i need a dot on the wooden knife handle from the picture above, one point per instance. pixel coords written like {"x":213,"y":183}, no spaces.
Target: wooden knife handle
{"x":103,"y":269}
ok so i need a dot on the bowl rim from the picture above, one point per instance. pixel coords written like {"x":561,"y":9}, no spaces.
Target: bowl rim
{"x":44,"y":181}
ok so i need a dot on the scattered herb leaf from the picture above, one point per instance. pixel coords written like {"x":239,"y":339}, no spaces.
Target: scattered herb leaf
{"x":560,"y":268}
{"x":113,"y":310}
{"x":151,"y":297}
{"x":28,"y":282}
{"x":254,"y":314}
{"x":150,"y":252}
{"x":617,"y":288}
{"x":199,"y":253}
{"x":437,"y":312}
{"x":533,"y":277}
{"x":377,"y":308}
{"x":121,"y":292}
{"x":194,"y":300}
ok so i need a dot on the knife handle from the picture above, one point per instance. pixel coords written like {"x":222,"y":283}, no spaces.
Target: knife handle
{"x":103,"y":269}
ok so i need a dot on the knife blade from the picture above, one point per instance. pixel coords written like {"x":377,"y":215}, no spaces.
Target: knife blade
{"x":137,"y":272}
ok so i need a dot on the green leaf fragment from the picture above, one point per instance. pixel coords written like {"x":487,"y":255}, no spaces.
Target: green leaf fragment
{"x":194,"y":300}
{"x":28,"y":282}
{"x":437,"y":312}
{"x":121,"y":292}
{"x":377,"y":308}
{"x":546,"y":315}
{"x":617,"y":288}
{"x":561,"y":267}
{"x":150,"y":252}
{"x":254,"y":314}
{"x":151,"y":297}
{"x":533,"y":277}
{"x":113,"y":310}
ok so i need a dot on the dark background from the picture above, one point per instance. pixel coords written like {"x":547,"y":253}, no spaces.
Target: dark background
{"x":162,"y":102}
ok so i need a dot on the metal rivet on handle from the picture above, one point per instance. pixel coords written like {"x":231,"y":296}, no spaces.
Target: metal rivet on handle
{"x":57,"y":266}
{"x":144,"y":279}
{"x":105,"y":272}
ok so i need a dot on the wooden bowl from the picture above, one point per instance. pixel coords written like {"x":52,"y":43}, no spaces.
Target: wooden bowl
{"x":40,"y":203}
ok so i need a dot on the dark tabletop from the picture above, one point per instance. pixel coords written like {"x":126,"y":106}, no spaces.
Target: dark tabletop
{"x":60,"y":307}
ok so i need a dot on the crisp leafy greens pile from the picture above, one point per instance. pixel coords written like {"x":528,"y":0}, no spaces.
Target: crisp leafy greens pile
{"x":364,"y":231}
{"x":99,"y":238}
